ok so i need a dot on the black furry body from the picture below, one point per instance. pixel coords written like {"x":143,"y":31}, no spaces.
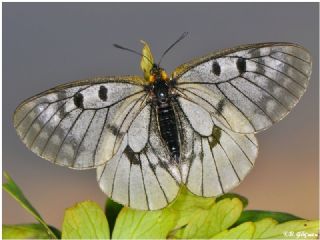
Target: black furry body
{"x":166,"y":117}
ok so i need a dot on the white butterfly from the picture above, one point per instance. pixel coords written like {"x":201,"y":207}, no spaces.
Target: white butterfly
{"x":147,"y":137}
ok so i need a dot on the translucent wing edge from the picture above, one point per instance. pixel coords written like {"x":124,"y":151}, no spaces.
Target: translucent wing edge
{"x":136,"y":80}
{"x":180,"y":70}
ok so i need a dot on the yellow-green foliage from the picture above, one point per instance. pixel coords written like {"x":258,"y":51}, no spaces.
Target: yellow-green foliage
{"x":188,"y":217}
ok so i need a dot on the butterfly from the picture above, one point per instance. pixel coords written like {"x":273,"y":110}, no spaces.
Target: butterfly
{"x":149,"y":136}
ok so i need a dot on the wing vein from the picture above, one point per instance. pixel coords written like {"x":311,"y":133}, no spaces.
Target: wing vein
{"x":166,"y":169}
{"x":55,"y":128}
{"x":130,"y":110}
{"x":45,"y":124}
{"x":251,"y":141}
{"x":267,"y":92}
{"x":216,"y":109}
{"x":115,"y":174}
{"x":144,"y":186}
{"x":84,"y":136}
{"x":65,"y":137}
{"x":253,"y":102}
{"x":215,"y":164}
{"x":251,"y":123}
{"x":298,"y":70}
{"x":98,"y":142}
{"x":227,"y":157}
{"x":154,"y":172}
{"x":291,"y":56}
{"x":240,"y":146}
{"x":25,"y":116}
{"x":46,"y":102}
{"x":277,"y":70}
{"x":33,"y":121}
{"x":271,"y":79}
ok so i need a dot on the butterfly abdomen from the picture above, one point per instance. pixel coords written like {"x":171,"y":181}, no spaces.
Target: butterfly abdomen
{"x":166,"y":117}
{"x":168,"y":129}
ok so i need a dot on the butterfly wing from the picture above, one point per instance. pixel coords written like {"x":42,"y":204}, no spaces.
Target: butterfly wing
{"x":81,"y":124}
{"x":214,"y":159}
{"x":247,"y":88}
{"x":142,"y":179}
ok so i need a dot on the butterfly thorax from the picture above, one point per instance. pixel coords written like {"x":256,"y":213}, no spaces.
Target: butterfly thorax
{"x":162,"y":101}
{"x":161,"y":92}
{"x":160,"y":87}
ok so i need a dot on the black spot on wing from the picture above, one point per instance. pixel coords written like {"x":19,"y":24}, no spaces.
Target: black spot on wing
{"x":131,"y":156}
{"x":215,"y":138}
{"x":78,"y":100}
{"x":241,"y":65}
{"x":220,"y":106}
{"x":113,"y":129}
{"x":216,"y":68}
{"x":103,"y":93}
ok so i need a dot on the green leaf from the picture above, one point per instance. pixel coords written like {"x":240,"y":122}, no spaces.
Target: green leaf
{"x":208,"y":222}
{"x":243,"y":199}
{"x":85,"y":220}
{"x":25,"y":231}
{"x":297,"y":229}
{"x":146,"y":61}
{"x":56,"y":231}
{"x":112,"y":211}
{"x":187,"y":204}
{"x":243,"y":231}
{"x":134,"y":224}
{"x":12,"y":188}
{"x":256,"y":215}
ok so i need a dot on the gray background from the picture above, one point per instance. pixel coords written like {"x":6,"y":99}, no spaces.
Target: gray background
{"x":45,"y":44}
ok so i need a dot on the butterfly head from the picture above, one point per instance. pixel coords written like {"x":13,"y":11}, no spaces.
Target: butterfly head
{"x":157,"y":74}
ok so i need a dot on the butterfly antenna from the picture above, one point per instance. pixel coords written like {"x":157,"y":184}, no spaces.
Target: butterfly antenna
{"x":133,"y":51}
{"x":183,"y":35}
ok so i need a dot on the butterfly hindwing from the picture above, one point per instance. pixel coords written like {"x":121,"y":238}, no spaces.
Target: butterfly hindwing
{"x":213,"y":164}
{"x":65,"y":125}
{"x":147,"y":179}
{"x":250,"y":87}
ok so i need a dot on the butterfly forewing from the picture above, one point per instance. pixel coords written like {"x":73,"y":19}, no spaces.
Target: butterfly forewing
{"x":250,"y":87}
{"x":64,"y":125}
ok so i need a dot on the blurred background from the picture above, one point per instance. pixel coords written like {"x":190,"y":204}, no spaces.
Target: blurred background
{"x":46,"y":44}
